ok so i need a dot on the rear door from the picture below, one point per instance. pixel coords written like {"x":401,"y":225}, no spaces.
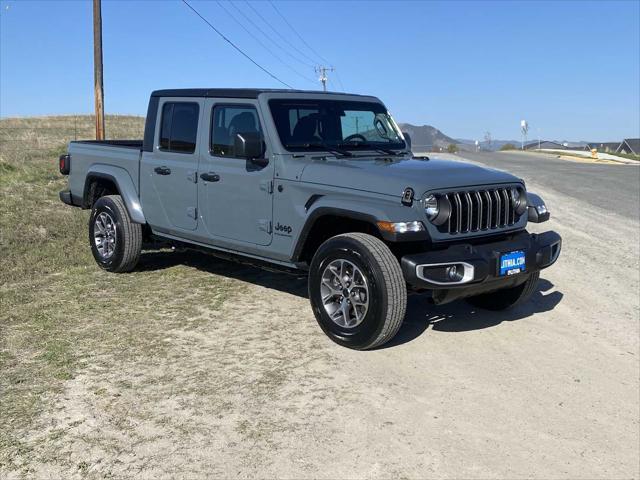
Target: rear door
{"x":168,"y":175}
{"x":236,"y":200}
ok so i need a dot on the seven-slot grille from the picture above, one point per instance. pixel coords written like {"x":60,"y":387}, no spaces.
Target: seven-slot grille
{"x":476,"y":210}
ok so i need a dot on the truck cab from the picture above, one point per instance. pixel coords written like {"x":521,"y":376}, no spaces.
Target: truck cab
{"x":320,"y":183}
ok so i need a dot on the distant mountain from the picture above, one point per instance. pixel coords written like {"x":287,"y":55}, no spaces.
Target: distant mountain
{"x":425,"y":137}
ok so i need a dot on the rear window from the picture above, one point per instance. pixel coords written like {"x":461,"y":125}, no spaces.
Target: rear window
{"x":179,"y":127}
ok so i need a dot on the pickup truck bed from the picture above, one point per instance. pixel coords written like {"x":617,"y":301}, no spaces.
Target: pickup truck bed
{"x":107,"y":159}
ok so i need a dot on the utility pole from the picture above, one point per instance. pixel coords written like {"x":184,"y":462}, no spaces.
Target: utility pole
{"x":322,"y":70}
{"x":97,"y":68}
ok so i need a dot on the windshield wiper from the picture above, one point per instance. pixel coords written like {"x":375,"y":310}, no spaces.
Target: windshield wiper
{"x":387,"y":151}
{"x":328,"y":148}
{"x":365,"y":146}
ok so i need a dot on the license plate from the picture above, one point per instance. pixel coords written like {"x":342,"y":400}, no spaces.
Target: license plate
{"x":512,"y":263}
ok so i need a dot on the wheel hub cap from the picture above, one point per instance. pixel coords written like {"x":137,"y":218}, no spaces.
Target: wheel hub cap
{"x":104,"y":235}
{"x":345,"y":293}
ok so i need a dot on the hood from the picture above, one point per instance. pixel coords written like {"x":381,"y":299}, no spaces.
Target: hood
{"x":392,"y":176}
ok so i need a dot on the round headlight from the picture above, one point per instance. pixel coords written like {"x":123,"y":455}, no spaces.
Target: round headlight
{"x":431,"y":207}
{"x":519,"y":199}
{"x":437,"y":208}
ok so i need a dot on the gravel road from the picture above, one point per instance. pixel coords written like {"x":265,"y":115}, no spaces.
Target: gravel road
{"x":549,"y":390}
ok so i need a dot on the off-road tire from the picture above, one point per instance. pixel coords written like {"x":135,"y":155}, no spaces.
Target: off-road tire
{"x":507,"y":297}
{"x":387,"y":290}
{"x":128,"y":235}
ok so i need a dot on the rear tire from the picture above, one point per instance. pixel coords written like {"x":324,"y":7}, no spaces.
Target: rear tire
{"x":508,"y":297}
{"x":115,"y":240}
{"x":357,"y":291}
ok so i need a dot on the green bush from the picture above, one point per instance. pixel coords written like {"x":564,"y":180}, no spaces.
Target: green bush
{"x":452,"y":148}
{"x":508,"y":146}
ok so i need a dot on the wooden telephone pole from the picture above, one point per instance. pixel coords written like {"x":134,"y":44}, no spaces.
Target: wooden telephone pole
{"x":97,"y":68}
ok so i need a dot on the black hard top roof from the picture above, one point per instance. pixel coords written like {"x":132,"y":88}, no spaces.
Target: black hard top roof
{"x":236,"y":92}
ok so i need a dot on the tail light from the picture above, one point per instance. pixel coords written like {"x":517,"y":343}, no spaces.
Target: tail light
{"x":65,"y":164}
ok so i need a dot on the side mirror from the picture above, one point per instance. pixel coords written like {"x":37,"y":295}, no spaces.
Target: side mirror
{"x":248,"y":145}
{"x":407,"y":139}
{"x":536,"y":208}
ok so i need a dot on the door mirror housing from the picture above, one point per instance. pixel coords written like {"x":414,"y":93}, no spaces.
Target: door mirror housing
{"x":407,"y":139}
{"x":248,"y":145}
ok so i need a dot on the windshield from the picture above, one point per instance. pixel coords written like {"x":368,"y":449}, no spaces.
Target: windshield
{"x":308,"y":125}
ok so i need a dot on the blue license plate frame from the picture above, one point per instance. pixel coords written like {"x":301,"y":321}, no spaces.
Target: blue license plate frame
{"x":512,"y":263}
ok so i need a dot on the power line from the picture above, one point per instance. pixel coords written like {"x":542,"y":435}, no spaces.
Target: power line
{"x":340,"y":81}
{"x":251,"y":34}
{"x":266,"y":35}
{"x":235,"y":46}
{"x":280,"y":35}
{"x":298,"y":35}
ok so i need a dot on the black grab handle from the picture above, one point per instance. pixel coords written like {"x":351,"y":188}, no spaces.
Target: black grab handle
{"x":162,"y":170}
{"x":210,"y":177}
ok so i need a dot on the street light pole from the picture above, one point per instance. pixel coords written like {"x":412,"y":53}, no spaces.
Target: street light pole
{"x":97,"y":68}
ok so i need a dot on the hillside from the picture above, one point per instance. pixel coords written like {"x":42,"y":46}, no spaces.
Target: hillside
{"x":45,"y":133}
{"x":426,"y":137}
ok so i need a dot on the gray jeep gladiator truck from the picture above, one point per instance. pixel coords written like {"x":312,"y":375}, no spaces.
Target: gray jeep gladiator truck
{"x":320,"y":183}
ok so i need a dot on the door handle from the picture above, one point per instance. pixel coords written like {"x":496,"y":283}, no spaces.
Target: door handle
{"x":210,"y":177}
{"x":162,"y":170}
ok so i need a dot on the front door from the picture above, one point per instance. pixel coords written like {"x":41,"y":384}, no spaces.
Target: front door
{"x":168,"y":175}
{"x":235,"y":194}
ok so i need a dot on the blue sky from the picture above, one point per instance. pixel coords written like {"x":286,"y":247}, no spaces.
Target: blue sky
{"x":572,"y":69}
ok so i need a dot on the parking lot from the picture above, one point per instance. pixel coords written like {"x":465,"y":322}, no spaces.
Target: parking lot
{"x":223,"y":372}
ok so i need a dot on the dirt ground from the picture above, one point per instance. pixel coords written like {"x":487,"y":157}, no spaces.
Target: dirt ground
{"x":250,"y":387}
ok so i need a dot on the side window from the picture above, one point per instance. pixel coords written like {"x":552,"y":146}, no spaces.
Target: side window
{"x":228,"y":120}
{"x":179,"y":127}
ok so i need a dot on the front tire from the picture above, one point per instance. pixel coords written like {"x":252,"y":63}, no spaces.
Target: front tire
{"x":357,"y":291}
{"x":507,"y":297}
{"x":115,"y":240}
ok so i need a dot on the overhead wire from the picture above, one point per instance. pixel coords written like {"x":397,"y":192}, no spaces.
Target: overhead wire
{"x":298,"y":35}
{"x":226,"y":39}
{"x":292,"y":28}
{"x":267,"y":36}
{"x":284,"y":39}
{"x":339,"y":80}
{"x":252,"y":35}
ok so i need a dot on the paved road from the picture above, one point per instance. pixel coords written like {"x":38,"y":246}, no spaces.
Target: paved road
{"x":611,"y":187}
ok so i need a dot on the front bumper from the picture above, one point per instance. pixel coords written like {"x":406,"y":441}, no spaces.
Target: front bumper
{"x":481,"y":262}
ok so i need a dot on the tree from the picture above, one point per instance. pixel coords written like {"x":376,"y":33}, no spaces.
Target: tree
{"x":452,"y":148}
{"x":508,"y":146}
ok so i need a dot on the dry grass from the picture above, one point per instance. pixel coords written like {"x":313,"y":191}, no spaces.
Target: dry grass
{"x":59,"y":313}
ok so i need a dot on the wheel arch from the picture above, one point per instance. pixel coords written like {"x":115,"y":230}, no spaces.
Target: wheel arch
{"x":113,"y":180}
{"x":326,"y":222}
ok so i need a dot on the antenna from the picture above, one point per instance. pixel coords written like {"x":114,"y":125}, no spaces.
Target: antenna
{"x":322,"y":71}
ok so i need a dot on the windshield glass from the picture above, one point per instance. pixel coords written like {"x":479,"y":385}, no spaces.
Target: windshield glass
{"x":307,"y":125}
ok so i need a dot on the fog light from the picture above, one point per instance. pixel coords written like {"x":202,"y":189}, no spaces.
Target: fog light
{"x":454,"y":273}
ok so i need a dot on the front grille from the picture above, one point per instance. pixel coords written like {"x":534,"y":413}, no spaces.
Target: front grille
{"x":476,"y":210}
